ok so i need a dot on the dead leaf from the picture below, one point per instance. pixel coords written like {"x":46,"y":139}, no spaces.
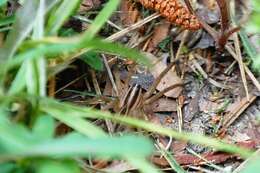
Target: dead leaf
{"x":179,"y":146}
{"x":129,"y":14}
{"x":119,"y":166}
{"x":168,"y":80}
{"x":161,"y":31}
{"x":213,"y":157}
{"x":164,"y":105}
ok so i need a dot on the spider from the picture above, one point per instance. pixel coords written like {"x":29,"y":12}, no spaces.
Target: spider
{"x":136,"y":103}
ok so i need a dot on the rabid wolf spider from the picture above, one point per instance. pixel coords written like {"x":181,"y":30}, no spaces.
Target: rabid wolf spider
{"x":136,"y":103}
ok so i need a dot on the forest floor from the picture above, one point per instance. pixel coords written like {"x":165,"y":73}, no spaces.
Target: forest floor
{"x":214,"y":94}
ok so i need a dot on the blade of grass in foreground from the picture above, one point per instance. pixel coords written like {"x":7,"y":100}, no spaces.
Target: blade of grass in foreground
{"x":74,"y":145}
{"x":25,"y":18}
{"x":60,"y":15}
{"x":47,"y":104}
{"x":79,"y":124}
{"x":37,"y":70}
{"x":142,"y":165}
{"x":17,"y":140}
{"x":3,"y":2}
{"x":51,"y":48}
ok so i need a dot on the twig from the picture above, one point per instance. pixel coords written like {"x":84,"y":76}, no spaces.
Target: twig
{"x":121,"y":33}
{"x":241,"y":64}
{"x":249,"y":73}
{"x":84,"y":19}
{"x":179,"y":114}
{"x":70,"y":83}
{"x":234,"y":114}
{"x":161,"y":93}
{"x":109,"y":124}
{"x":110,"y":75}
{"x":184,"y":37}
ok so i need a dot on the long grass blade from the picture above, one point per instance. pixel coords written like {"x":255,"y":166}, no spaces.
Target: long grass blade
{"x":60,"y":15}
{"x":195,"y":138}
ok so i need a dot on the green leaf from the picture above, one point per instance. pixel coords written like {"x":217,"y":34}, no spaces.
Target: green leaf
{"x":118,"y":49}
{"x":142,"y":165}
{"x":40,"y":78}
{"x":60,"y":15}
{"x":44,"y":127}
{"x":57,"y":166}
{"x":31,"y":77}
{"x":3,"y":2}
{"x":25,"y":18}
{"x":7,"y":167}
{"x":17,"y":141}
{"x":18,"y":84}
{"x":75,"y":145}
{"x":171,"y":160}
{"x":93,"y":59}
{"x":66,"y":32}
{"x":253,"y":166}
{"x":256,"y":63}
{"x":66,"y":115}
{"x":7,"y":21}
{"x":13,"y":138}
{"x":24,"y":22}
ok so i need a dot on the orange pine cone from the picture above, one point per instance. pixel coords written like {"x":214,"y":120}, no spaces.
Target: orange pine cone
{"x":173,"y":11}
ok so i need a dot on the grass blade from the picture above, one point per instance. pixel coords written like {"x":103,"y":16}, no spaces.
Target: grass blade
{"x":60,"y":15}
{"x":79,"y":124}
{"x":171,"y":160}
{"x":142,"y":165}
{"x":25,"y":18}
{"x":195,"y":138}
{"x":115,"y":48}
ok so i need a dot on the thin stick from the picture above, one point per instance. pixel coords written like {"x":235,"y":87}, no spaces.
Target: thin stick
{"x":184,"y":37}
{"x":249,"y":73}
{"x":161,"y":93}
{"x":70,"y":83}
{"x":110,"y":75}
{"x":109,"y":124}
{"x":121,"y":33}
{"x":241,"y":64}
{"x":180,"y":117}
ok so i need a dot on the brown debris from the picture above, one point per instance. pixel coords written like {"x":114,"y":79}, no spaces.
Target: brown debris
{"x":212,"y":157}
{"x":160,"y":33}
{"x":164,"y":105}
{"x":129,"y":14}
{"x":169,"y":79}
